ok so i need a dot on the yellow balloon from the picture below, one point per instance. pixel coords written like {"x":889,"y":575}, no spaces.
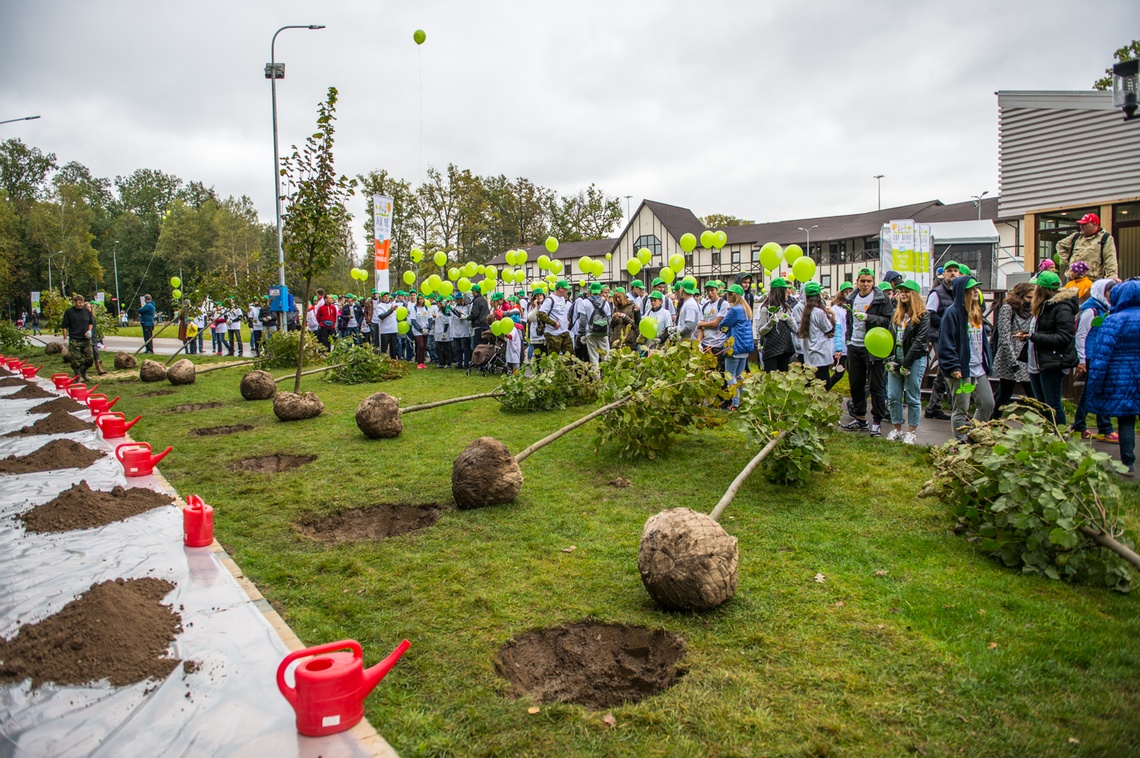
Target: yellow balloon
{"x":556,"y":266}
{"x":464,"y":284}
{"x":770,"y":255}
{"x":668,"y":275}
{"x":609,"y":256}
{"x":645,"y":255}
{"x":417,"y":255}
{"x":792,"y":252}
{"x":409,"y":277}
{"x":453,"y":274}
{"x":445,"y":288}
{"x":633,"y":265}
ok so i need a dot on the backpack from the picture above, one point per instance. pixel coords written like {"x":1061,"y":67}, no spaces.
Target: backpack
{"x":599,"y":323}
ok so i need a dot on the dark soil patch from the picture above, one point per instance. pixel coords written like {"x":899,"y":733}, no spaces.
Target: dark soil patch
{"x":80,"y":507}
{"x":56,"y":454}
{"x":189,"y":407}
{"x":30,"y":392}
{"x":12,"y":381}
{"x":65,"y":404}
{"x":619,"y":482}
{"x":157,"y":393}
{"x":209,"y":431}
{"x":592,"y":664}
{"x":272,"y":464}
{"x":117,"y":630}
{"x":57,"y":422}
{"x":374,"y":522}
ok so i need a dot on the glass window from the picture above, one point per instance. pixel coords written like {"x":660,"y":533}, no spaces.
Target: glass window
{"x":650,"y":241}
{"x":689,"y":260}
{"x":825,"y":280}
{"x":530,"y":271}
{"x":716,"y":257}
{"x":735,"y":255}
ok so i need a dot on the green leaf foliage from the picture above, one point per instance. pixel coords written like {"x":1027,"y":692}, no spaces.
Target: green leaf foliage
{"x":676,"y":389}
{"x":556,"y":382}
{"x":1022,"y":490}
{"x":279,"y":350}
{"x":796,"y":402}
{"x":11,"y":338}
{"x":361,"y":364}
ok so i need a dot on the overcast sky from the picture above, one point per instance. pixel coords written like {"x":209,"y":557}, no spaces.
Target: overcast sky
{"x":767,"y":110}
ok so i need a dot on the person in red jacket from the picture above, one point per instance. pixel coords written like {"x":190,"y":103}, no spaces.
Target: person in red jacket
{"x":327,"y":314}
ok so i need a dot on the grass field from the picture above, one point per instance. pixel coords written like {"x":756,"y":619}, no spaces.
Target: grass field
{"x":913,"y":642}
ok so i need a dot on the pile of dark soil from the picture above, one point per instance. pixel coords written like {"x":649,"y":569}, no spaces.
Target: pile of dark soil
{"x":374,"y":522}
{"x":65,"y":404}
{"x":56,"y":454}
{"x":209,"y":431}
{"x":117,"y":630}
{"x":57,"y":422}
{"x":190,"y":407}
{"x":12,"y":381}
{"x":81,"y":507}
{"x":271,"y":464}
{"x":592,"y":664}
{"x":30,"y":392}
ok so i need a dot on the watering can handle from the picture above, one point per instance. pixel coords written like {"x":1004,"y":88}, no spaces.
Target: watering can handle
{"x":290,"y":693}
{"x":195,"y":503}
{"x":119,"y":449}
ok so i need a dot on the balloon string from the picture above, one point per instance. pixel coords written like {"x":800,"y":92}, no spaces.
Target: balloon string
{"x":420,"y":65}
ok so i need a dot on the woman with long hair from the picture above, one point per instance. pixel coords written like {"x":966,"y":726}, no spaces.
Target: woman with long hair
{"x":774,"y":326}
{"x":1052,"y":348}
{"x":1013,"y":318}
{"x":817,"y":332}
{"x":841,"y":311}
{"x":736,"y":324}
{"x":910,"y":325}
{"x":964,"y":355}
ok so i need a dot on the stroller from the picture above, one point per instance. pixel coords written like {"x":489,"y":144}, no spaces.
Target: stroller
{"x":489,"y":358}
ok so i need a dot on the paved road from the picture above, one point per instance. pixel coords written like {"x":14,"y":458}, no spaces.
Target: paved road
{"x":162,"y":345}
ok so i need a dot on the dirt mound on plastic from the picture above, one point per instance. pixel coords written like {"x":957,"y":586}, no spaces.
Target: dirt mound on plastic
{"x":56,"y":454}
{"x":117,"y":630}
{"x":485,"y":474}
{"x":190,"y":407}
{"x":12,"y":381}
{"x":81,"y":507}
{"x":65,"y":404}
{"x":30,"y":392}
{"x":124,"y":360}
{"x":374,"y":522}
{"x":592,"y":664}
{"x":210,"y":431}
{"x":258,"y":385}
{"x":272,"y":464}
{"x":56,"y":422}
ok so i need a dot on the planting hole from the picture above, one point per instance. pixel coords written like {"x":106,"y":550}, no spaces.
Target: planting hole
{"x":272,"y":464}
{"x":190,"y":407}
{"x":592,"y":664}
{"x":375,"y":522}
{"x":210,"y":431}
{"x":157,"y":393}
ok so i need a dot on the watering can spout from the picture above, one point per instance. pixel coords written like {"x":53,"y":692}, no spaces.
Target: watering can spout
{"x":111,"y":405}
{"x":156,"y":458}
{"x":129,"y":424}
{"x":372,"y":676}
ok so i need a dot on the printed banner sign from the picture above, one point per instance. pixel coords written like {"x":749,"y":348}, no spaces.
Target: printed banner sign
{"x":36,"y":299}
{"x":905,"y":247}
{"x":382,"y":238}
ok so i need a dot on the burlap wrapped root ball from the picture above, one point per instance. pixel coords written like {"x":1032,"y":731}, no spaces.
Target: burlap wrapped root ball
{"x":182,"y":372}
{"x":123,"y":360}
{"x":485,"y":474}
{"x":152,"y":371}
{"x":53,"y":348}
{"x":65,"y":354}
{"x":378,"y":416}
{"x":289,"y":406}
{"x":258,"y":385}
{"x":687,"y":560}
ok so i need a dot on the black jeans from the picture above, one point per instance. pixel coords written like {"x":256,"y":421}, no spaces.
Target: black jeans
{"x":148,"y":333}
{"x":1047,"y":388}
{"x":388,"y":344}
{"x":778,"y":363}
{"x":861,"y":365}
{"x":443,"y":352}
{"x":1005,"y":394}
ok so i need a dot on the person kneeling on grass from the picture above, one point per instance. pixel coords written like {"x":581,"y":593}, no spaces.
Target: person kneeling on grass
{"x":964,"y":355}
{"x":907,"y":366}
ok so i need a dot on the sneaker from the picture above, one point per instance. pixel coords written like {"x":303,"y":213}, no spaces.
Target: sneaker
{"x":854,"y":426}
{"x":936,"y":414}
{"x":420,"y":365}
{"x":1086,"y":434}
{"x":893,"y":435}
{"x":1131,"y":472}
{"x":876,"y":431}
{"x":910,"y":438}
{"x":1111,"y":437}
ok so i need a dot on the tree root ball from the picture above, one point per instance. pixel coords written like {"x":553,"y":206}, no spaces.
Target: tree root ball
{"x":123,"y":360}
{"x":378,"y":416}
{"x":485,"y":474}
{"x":687,"y":561}
{"x":182,"y":372}
{"x":258,"y":385}
{"x":290,"y":406}
{"x":152,"y":371}
{"x":53,"y":348}
{"x":65,"y":354}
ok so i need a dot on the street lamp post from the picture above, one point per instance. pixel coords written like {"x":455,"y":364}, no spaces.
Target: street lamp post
{"x":978,"y":202}
{"x":14,"y":120}
{"x":808,"y":233}
{"x":115,"y":258}
{"x":273,"y":72}
{"x":879,"y":188}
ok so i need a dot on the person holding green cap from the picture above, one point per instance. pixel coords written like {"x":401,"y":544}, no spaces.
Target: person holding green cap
{"x":774,"y":325}
{"x":1052,"y":349}
{"x":965,"y":355}
{"x":817,"y":332}
{"x":908,"y":363}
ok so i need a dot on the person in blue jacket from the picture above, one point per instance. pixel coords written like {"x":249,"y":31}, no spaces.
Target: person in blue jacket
{"x":146,"y":321}
{"x":1113,"y":356}
{"x":737,"y":324}
{"x":964,"y":356}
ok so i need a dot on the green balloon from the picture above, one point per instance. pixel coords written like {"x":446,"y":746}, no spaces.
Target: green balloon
{"x":648,"y":328}
{"x":464,"y":284}
{"x":770,"y":256}
{"x":409,"y":277}
{"x":551,"y":245}
{"x":453,"y":274}
{"x":403,"y":327}
{"x":645,"y":255}
{"x":879,"y":342}
{"x":688,"y":242}
{"x":440,"y":259}
{"x":792,"y":253}
{"x":720,"y":239}
{"x":175,"y":282}
{"x":176,"y":294}
{"x":401,"y":313}
{"x":419,"y":36}
{"x":707,"y":239}
{"x":803,"y":268}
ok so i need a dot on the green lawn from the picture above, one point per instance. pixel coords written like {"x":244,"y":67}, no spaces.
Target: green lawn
{"x":914,"y":642}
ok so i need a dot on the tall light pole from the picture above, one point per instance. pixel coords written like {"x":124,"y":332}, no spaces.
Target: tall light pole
{"x":808,"y":233}
{"x":627,"y":197}
{"x":273,"y":72}
{"x":14,"y":120}
{"x":879,"y":188}
{"x":115,"y":258}
{"x":978,"y":202}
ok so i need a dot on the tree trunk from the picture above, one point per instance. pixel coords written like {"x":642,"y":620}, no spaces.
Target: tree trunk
{"x":730,"y":493}
{"x":1106,"y":541}
{"x":220,"y":366}
{"x":569,"y":428}
{"x":438,"y":403}
{"x":301,"y":340}
{"x":311,"y":371}
{"x":171,"y":358}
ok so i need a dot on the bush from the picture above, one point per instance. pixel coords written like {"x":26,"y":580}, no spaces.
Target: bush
{"x":1026,"y":490}
{"x":362,"y":364}
{"x":796,"y":402}
{"x":675,"y":390}
{"x":280,"y":350}
{"x":556,"y":382}
{"x":11,"y":338}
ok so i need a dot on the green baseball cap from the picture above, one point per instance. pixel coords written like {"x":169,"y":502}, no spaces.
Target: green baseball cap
{"x":619,"y":290}
{"x":885,"y":286}
{"x":636,"y":283}
{"x":595,"y":288}
{"x":657,"y":281}
{"x":538,"y":290}
{"x":778,"y":282}
{"x":476,"y":289}
{"x":951,"y":264}
{"x":713,"y":283}
{"x":846,"y":286}
{"x":496,"y":296}
{"x":812,"y":288}
{"x":655,"y":295}
{"x":864,"y":272}
{"x":963,"y":269}
{"x":972,"y":282}
{"x":736,"y":289}
{"x":561,"y":284}
{"x":911,"y":284}
{"x":689,"y":287}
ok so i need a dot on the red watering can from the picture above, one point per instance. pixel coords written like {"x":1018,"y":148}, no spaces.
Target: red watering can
{"x":61,"y":381}
{"x":14,"y":363}
{"x":98,"y":404}
{"x":137,"y":459}
{"x":28,"y":370}
{"x":114,"y":425}
{"x":330,"y":687}
{"x":197,"y":523}
{"x":80,"y":391}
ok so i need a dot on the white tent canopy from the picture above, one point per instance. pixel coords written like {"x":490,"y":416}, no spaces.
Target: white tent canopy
{"x":964,"y":232}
